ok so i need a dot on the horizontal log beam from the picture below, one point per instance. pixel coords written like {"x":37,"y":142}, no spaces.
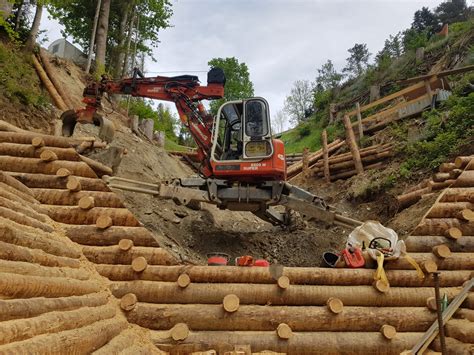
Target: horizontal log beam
{"x":65,"y":197}
{"x":458,"y":194}
{"x":17,"y":253}
{"x":114,"y":255}
{"x":425,"y":243}
{"x":58,"y":182}
{"x":29,"y":151}
{"x":460,"y":329}
{"x":438,"y":226}
{"x":7,"y":214}
{"x":300,"y":343}
{"x":448,"y":209}
{"x":261,"y":294}
{"x":26,"y":137}
{"x":466,"y":179}
{"x":13,"y":285}
{"x":31,"y":307}
{"x":300,"y":318}
{"x":16,"y":185}
{"x":53,"y":322}
{"x":82,"y":340}
{"x":37,"y":166}
{"x":23,"y":208}
{"x":30,"y":269}
{"x":76,"y":215}
{"x":90,"y":235}
{"x":296,"y":275}
{"x":457,"y":261}
{"x":99,"y":168}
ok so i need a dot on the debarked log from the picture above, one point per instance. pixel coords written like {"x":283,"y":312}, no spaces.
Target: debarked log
{"x":58,"y":182}
{"x":329,"y":343}
{"x":299,"y":318}
{"x":34,"y":165}
{"x":26,"y":308}
{"x":425,"y":243}
{"x":29,"y":151}
{"x":449,"y":209}
{"x":90,"y":235}
{"x":76,"y":215}
{"x":114,"y":255}
{"x":64,"y":197}
{"x":31,"y":269}
{"x":458,"y":194}
{"x":262,"y":294}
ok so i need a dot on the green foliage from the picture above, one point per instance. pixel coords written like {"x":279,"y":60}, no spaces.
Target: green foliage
{"x":425,"y":21}
{"x":445,"y":132}
{"x":238,"y":84}
{"x":412,"y":39}
{"x":6,"y":26}
{"x":328,"y":77}
{"x":18,"y":80}
{"x":298,"y":104}
{"x":452,"y":11}
{"x":358,"y":60}
{"x":322,"y":99}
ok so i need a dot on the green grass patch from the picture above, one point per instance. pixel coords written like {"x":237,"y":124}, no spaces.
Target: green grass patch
{"x":173,"y":146}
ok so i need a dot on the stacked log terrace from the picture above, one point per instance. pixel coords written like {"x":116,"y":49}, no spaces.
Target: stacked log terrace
{"x":200,"y":308}
{"x":447,"y":175}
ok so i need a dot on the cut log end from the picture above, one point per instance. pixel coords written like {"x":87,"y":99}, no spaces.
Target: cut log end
{"x":431,"y":303}
{"x":442,"y":251}
{"x":231,"y":303}
{"x":284,"y":331}
{"x":125,"y":244}
{"x":73,"y":184}
{"x":63,"y":172}
{"x":283,"y":282}
{"x":86,"y":203}
{"x":388,"y":331}
{"x":48,"y":155}
{"x":128,"y":302}
{"x":139,"y":264}
{"x":184,"y":280}
{"x":335,"y":305}
{"x":381,"y":286}
{"x":453,"y":233}
{"x":103,"y":222}
{"x":37,"y":142}
{"x":179,"y":332}
{"x":429,"y":266}
{"x":467,"y":215}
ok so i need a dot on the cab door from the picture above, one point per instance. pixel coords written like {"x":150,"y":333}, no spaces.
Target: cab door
{"x":256,"y":131}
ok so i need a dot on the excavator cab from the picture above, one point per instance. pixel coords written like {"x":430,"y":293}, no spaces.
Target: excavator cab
{"x":243,"y":144}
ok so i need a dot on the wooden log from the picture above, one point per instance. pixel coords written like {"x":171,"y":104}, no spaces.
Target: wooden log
{"x":305,"y":162}
{"x":460,"y":329}
{"x":122,"y":343}
{"x":283,"y":282}
{"x":139,"y":264}
{"x":30,"y":151}
{"x":231,"y":303}
{"x":453,"y":233}
{"x":18,"y":253}
{"x":52,"y":75}
{"x":265,"y":318}
{"x":462,"y":161}
{"x":75,"y":215}
{"x":298,"y":276}
{"x":73,"y":184}
{"x":412,"y":197}
{"x":457,"y":261}
{"x":26,"y":137}
{"x":335,"y":305}
{"x":359,"y":122}
{"x":99,"y":168}
{"x":81,"y":340}
{"x":34,"y":165}
{"x":89,"y":235}
{"x":374,"y":149}
{"x":86,"y":203}
{"x":81,"y":148}
{"x":23,"y":268}
{"x":458,"y":194}
{"x":351,"y":142}
{"x":7,"y":215}
{"x":455,"y":347}
{"x":52,"y":322}
{"x":440,"y":177}
{"x":125,"y":244}
{"x":419,"y":186}
{"x":429,"y":266}
{"x":179,"y":332}
{"x":463,"y":313}
{"x":450,"y":209}
{"x":57,"y":99}
{"x":453,"y":174}
{"x":183,"y":280}
{"x":446,"y":167}
{"x":37,"y":142}
{"x":349,"y":173}
{"x":284,"y":331}
{"x":103,"y":222}
{"x":20,"y":286}
{"x":58,"y":182}
{"x":438,"y":226}
{"x":48,"y":156}
{"x":381,"y":286}
{"x":64,"y":197}
{"x":22,"y":208}
{"x":426,"y":243}
{"x":113,"y":255}
{"x":442,"y":251}
{"x":300,"y":343}
{"x":389,"y":332}
{"x":14,"y":234}
{"x":128,"y":302}
{"x":370,"y":159}
{"x":24,"y":192}
{"x":31,"y":307}
{"x":324,"y":140}
{"x":165,"y":292}
{"x":63,"y":172}
{"x":466,"y":179}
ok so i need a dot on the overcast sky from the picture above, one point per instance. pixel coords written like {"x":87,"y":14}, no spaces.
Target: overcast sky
{"x":280,"y":40}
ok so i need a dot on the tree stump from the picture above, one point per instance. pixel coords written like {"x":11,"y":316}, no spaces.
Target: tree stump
{"x":128,"y":302}
{"x":231,"y":303}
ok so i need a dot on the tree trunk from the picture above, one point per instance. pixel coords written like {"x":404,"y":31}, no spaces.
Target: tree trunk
{"x":35,"y":165}
{"x":19,"y":15}
{"x":58,"y":182}
{"x":351,"y":142}
{"x":93,"y":34}
{"x":31,"y":40}
{"x":129,"y":40}
{"x":422,"y":243}
{"x":58,"y":100}
{"x":438,"y":226}
{"x":113,"y":254}
{"x":62,"y":197}
{"x":122,"y":38}
{"x":28,"y":151}
{"x":101,"y":38}
{"x":75,"y":215}
{"x":324,"y":139}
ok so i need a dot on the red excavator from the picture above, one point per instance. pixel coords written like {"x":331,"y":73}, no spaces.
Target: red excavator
{"x":242,"y":168}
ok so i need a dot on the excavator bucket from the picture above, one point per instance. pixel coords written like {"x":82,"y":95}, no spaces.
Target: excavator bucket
{"x":71,"y":117}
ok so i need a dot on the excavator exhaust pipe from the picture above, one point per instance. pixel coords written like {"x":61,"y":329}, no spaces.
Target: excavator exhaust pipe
{"x":70,"y":118}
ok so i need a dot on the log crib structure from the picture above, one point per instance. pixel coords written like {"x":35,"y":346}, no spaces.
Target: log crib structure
{"x":80,"y":274}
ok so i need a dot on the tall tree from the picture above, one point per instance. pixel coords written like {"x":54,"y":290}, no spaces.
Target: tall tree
{"x":238,"y":84}
{"x":425,"y":20}
{"x":101,"y":36}
{"x":300,"y":101}
{"x":31,"y":40}
{"x":278,"y":122}
{"x":452,"y":11}
{"x":328,"y":77}
{"x":359,"y":59}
